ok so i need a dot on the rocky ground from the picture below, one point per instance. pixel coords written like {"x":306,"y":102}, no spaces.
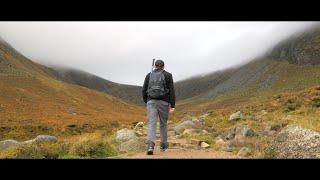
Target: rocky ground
{"x":191,"y":138}
{"x":194,"y":139}
{"x":181,"y":146}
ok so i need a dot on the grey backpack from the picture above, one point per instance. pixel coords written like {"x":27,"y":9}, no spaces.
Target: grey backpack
{"x":157,"y":85}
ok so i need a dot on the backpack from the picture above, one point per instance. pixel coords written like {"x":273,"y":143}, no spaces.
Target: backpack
{"x":157,"y":85}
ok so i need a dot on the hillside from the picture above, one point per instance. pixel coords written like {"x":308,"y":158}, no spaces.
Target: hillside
{"x":128,"y":93}
{"x":290,"y":66}
{"x":33,"y":101}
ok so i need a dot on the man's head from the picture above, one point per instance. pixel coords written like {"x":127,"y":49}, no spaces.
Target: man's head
{"x":159,"y":64}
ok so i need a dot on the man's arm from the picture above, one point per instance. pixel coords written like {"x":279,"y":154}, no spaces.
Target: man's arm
{"x":172,"y":97}
{"x":145,"y":88}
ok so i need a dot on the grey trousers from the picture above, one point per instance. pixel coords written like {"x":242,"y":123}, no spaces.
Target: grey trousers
{"x":157,"y":108}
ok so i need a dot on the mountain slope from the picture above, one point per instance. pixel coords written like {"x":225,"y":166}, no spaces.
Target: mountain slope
{"x":128,"y":93}
{"x":292,"y":65}
{"x":33,"y":101}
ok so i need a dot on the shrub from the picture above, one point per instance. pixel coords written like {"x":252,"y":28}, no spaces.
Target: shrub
{"x":292,"y":105}
{"x":316,"y":102}
{"x":34,"y":151}
{"x":92,"y":147}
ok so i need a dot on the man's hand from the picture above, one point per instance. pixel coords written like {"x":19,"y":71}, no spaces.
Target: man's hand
{"x":171,"y":110}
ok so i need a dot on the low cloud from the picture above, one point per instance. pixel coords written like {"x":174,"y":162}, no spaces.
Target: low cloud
{"x":123,"y":51}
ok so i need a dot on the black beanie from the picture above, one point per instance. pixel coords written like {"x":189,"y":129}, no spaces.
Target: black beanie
{"x":159,"y":63}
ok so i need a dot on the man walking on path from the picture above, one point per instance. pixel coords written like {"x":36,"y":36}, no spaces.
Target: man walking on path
{"x":158,"y":93}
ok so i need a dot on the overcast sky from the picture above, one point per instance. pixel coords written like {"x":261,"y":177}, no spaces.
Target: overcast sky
{"x":123,"y":51}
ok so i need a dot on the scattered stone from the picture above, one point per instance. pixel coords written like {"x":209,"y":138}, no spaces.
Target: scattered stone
{"x":204,"y":145}
{"x":231,"y":134}
{"x":46,"y":138}
{"x":295,"y":142}
{"x":236,"y":116}
{"x":8,"y":143}
{"x":244,"y":152}
{"x":244,"y":131}
{"x":139,"y":125}
{"x":182,"y":126}
{"x":239,"y":132}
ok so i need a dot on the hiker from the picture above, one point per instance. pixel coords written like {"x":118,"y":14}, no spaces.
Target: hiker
{"x":158,"y":93}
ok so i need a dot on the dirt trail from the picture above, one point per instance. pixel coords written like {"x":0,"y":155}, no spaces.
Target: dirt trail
{"x":180,"y":148}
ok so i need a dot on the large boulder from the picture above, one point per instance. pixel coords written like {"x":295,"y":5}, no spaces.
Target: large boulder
{"x":128,"y":141}
{"x":7,"y":144}
{"x":133,"y":144}
{"x":184,"y":125}
{"x":124,"y":135}
{"x":45,"y":138}
{"x":236,"y":116}
{"x":295,"y":142}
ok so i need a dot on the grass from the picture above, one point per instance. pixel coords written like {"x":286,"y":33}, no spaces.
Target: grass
{"x":92,"y":146}
{"x":89,"y":145}
{"x":34,"y":151}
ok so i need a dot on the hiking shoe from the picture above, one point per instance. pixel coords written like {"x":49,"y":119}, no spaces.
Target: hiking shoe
{"x":150,"y":148}
{"x":164,"y":147}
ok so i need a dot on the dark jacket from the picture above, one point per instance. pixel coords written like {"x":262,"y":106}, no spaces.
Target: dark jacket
{"x":170,"y":98}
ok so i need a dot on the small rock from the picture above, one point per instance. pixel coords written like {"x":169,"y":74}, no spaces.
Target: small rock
{"x":244,"y":131}
{"x":8,"y":143}
{"x":236,"y":116}
{"x":139,"y":125}
{"x":46,"y":138}
{"x":244,"y":152}
{"x":204,"y":145}
{"x":239,"y":132}
{"x":182,"y":126}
